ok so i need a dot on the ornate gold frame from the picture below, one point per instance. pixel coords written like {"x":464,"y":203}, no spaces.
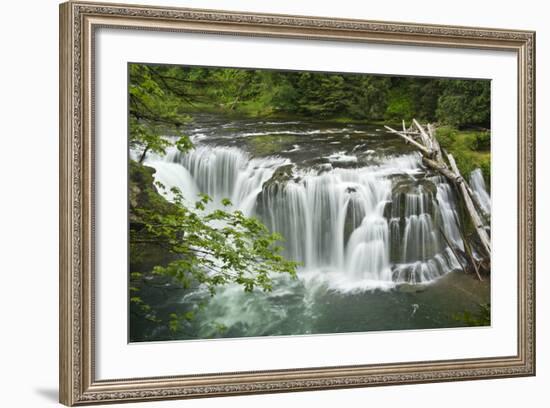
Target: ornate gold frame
{"x":78,"y":22}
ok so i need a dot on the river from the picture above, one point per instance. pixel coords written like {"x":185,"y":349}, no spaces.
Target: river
{"x":357,"y":209}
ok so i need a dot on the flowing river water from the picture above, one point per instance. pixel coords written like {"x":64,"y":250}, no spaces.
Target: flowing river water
{"x":357,"y":209}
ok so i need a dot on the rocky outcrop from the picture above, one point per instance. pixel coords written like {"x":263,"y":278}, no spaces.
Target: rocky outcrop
{"x":143,"y":195}
{"x":280,"y":177}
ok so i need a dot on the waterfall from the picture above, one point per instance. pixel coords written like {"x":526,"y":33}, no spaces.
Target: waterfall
{"x":421,"y":211}
{"x":378,"y":223}
{"x":219,"y":172}
{"x":477,"y":183}
{"x":332,"y":220}
{"x":449,"y":217}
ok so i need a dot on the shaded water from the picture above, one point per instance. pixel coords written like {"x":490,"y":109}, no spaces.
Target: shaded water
{"x":356,"y":208}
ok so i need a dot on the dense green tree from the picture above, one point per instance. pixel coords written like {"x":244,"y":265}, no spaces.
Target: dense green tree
{"x":459,"y":103}
{"x":366,"y":96}
{"x":331,"y":95}
{"x":465,"y":102}
{"x":413,"y":98}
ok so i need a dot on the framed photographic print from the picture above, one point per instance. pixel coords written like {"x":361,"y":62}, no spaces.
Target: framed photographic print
{"x":263,"y":203}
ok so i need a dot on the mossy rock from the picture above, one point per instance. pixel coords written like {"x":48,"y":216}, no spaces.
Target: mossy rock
{"x":269,"y":145}
{"x":143,"y":194}
{"x":281,"y":176}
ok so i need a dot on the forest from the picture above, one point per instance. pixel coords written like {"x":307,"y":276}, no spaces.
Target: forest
{"x":457,"y":103}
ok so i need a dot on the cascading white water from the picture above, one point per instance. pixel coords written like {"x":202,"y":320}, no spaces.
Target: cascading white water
{"x":359,"y":223}
{"x":332,"y":220}
{"x":220,"y":173}
{"x":449,"y":217}
{"x":423,"y":211}
{"x":171,"y":174}
{"x":477,"y":183}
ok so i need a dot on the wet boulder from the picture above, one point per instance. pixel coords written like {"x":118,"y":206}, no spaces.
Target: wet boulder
{"x":280,"y":177}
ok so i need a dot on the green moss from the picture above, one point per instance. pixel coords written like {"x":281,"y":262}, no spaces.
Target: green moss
{"x":479,"y":317}
{"x":266,"y":145}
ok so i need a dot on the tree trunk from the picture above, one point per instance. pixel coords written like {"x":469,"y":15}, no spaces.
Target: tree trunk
{"x":142,"y":157}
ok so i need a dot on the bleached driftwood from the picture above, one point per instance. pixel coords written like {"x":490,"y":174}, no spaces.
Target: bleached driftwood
{"x":410,"y":140}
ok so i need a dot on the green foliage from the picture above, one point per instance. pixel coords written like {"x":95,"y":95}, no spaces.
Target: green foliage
{"x":471,"y":149}
{"x":166,"y":92}
{"x":176,"y":320}
{"x":211,"y":248}
{"x":482,"y":317}
{"x":319,"y":94}
{"x":457,"y":103}
{"x":215,"y":247}
{"x":367,"y":96}
{"x":482,"y":141}
{"x":197,"y":246}
{"x":465,"y":162}
{"x":400,"y":107}
{"x":413,"y":98}
{"x":465,"y":102}
{"x":446,"y":136}
{"x":154,"y":109}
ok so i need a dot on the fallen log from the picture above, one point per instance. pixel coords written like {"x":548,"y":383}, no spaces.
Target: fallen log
{"x":435,"y":143}
{"x":474,"y":216}
{"x":411,"y":141}
{"x":441,"y":168}
{"x":424,"y":136}
{"x":444,"y":170}
{"x":432,"y":157}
